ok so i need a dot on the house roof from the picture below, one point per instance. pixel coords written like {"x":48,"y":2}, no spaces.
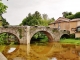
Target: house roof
{"x":61,"y":19}
{"x":77,"y":19}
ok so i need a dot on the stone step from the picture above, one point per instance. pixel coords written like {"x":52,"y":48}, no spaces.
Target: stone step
{"x":2,"y":57}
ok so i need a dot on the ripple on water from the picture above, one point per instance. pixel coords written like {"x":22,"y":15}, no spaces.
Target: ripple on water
{"x":54,"y":58}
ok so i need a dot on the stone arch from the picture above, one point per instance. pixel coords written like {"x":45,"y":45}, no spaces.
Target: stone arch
{"x":48,"y":34}
{"x":13,"y":35}
{"x":65,"y":36}
{"x":64,"y":33}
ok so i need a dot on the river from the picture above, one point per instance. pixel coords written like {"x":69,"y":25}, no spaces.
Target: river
{"x":50,"y":51}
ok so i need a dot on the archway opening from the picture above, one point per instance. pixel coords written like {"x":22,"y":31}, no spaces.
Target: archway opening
{"x":41,"y":43}
{"x":8,"y":39}
{"x":41,"y":37}
{"x":65,"y":36}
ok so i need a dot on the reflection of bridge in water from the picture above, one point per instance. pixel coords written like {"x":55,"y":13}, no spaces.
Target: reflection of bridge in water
{"x":25,"y":33}
{"x":42,"y":52}
{"x":24,"y":53}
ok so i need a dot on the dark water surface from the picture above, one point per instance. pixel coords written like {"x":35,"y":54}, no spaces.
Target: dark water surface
{"x":50,"y":51}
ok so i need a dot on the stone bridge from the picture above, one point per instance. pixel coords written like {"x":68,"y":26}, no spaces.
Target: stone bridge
{"x":25,"y":33}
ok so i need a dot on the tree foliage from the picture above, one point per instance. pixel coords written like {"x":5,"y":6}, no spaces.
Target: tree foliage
{"x":2,"y":8}
{"x":70,"y":15}
{"x":32,"y":19}
{"x":77,"y":15}
{"x":4,"y":22}
{"x":2,"y":39}
{"x":36,"y":19}
{"x":65,"y":14}
{"x":6,"y":38}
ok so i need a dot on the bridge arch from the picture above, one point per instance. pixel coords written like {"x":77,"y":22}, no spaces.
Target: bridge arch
{"x":47,"y":33}
{"x":13,"y":35}
{"x":64,"y":34}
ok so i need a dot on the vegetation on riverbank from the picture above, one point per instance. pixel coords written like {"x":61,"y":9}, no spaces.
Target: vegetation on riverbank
{"x":70,"y":41}
{"x":8,"y":39}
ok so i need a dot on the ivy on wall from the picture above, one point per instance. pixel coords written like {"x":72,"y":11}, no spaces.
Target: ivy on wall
{"x":20,"y":33}
{"x":55,"y":30}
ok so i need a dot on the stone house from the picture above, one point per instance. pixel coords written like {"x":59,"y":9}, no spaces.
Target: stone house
{"x":66,"y":24}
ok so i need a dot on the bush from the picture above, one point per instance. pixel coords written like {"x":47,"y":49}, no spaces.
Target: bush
{"x":72,"y":35}
{"x":77,"y":38}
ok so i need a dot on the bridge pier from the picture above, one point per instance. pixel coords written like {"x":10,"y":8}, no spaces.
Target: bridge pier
{"x":28,"y":35}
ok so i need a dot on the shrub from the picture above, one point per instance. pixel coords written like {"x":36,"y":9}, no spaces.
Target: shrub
{"x":72,"y":35}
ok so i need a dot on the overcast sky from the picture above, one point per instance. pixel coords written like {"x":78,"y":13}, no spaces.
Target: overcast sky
{"x":19,"y":9}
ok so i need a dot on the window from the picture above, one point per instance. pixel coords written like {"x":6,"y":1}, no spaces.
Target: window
{"x":73,"y":29}
{"x":78,"y":29}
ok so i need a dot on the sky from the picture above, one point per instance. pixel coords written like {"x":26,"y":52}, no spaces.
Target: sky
{"x":18,"y":9}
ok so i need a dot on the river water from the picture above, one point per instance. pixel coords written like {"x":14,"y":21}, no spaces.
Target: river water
{"x":49,"y":51}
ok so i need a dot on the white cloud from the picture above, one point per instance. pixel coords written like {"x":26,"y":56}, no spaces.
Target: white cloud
{"x":19,"y":9}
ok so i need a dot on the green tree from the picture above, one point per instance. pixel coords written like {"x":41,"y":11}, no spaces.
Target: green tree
{"x":65,"y":14}
{"x":70,"y":17}
{"x":3,"y":9}
{"x":36,"y":19}
{"x":3,"y":38}
{"x":44,"y":22}
{"x":32,"y":19}
{"x":73,"y":16}
{"x":51,"y":20}
{"x":4,"y":22}
{"x":27,"y":20}
{"x":77,"y":15}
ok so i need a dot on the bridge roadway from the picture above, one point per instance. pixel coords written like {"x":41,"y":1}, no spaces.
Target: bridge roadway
{"x":25,"y":33}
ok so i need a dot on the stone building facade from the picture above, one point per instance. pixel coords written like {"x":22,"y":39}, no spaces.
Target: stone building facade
{"x":66,"y":24}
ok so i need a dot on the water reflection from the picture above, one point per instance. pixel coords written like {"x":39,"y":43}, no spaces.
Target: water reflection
{"x":54,"y":58}
{"x":11,"y":50}
{"x":51,"y":51}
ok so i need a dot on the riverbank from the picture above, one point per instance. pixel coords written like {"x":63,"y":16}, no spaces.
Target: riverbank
{"x":70,"y":41}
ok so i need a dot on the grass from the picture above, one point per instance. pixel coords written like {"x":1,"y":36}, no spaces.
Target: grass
{"x":70,"y":41}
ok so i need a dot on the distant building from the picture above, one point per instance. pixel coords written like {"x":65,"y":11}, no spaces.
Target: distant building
{"x":66,"y":24}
